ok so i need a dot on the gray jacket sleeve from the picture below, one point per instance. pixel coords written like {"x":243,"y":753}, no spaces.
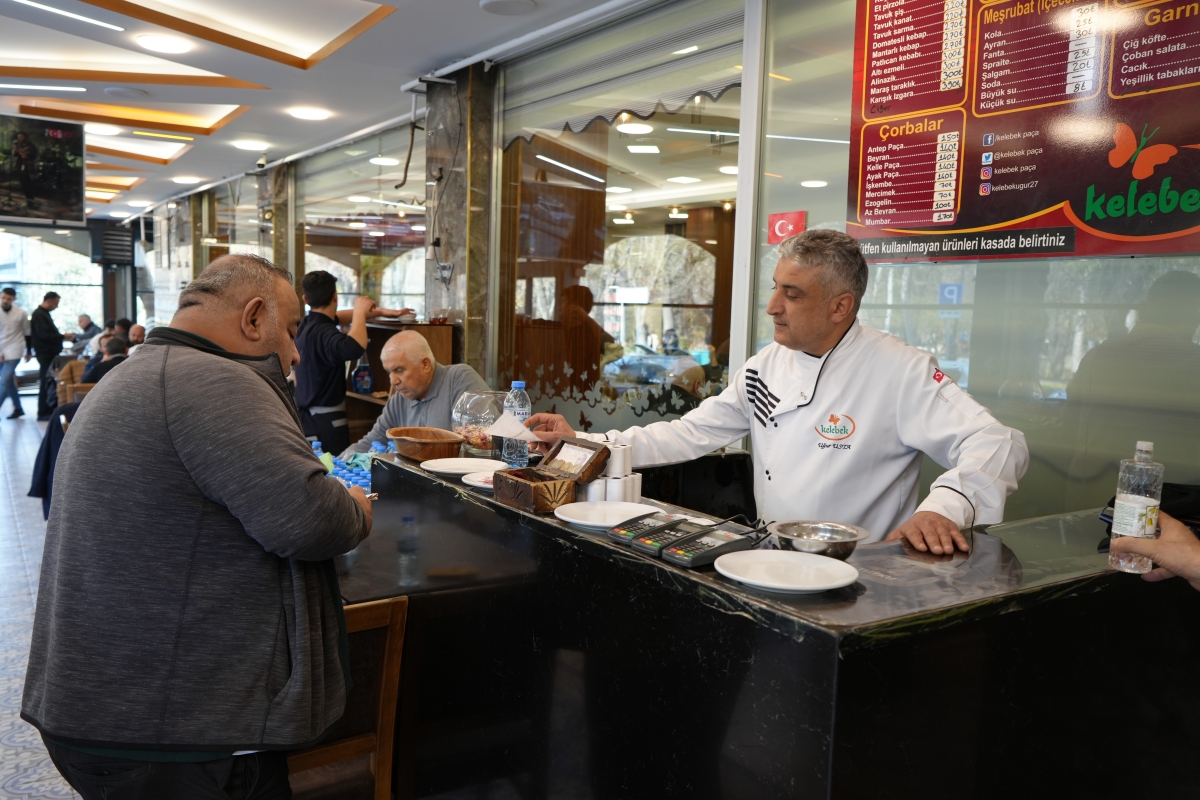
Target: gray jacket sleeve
{"x":390,"y":418}
{"x":244,"y":450}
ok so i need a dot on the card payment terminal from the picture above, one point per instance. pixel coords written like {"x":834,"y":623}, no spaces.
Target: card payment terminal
{"x":706,"y":549}
{"x":653,"y":543}
{"x":627,"y":531}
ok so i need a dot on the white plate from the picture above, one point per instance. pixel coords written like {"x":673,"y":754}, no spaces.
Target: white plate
{"x":786,"y":571}
{"x":601,"y":515}
{"x":480,"y":480}
{"x":461,"y":466}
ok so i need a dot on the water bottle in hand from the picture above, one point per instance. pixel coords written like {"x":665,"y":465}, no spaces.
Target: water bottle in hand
{"x":516,"y":452}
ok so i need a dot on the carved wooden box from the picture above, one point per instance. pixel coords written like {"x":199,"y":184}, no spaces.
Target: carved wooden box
{"x":540,"y":490}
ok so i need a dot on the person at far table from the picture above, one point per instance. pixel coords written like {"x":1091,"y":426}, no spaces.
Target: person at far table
{"x":87,"y":331}
{"x":425,"y":391}
{"x":324,"y":351}
{"x":116,"y":350}
{"x":137,"y":336}
{"x":840,"y":414}
{"x":14,"y":335}
{"x":46,"y":342}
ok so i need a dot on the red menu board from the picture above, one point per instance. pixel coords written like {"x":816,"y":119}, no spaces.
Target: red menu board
{"x":1025,"y":128}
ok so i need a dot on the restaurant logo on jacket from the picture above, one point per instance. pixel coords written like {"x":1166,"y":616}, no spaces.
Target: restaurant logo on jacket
{"x":836,"y":428}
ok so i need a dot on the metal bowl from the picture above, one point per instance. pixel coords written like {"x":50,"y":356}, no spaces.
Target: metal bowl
{"x":832,"y":539}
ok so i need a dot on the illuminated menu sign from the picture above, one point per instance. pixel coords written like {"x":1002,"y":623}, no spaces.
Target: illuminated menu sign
{"x":1025,"y":128}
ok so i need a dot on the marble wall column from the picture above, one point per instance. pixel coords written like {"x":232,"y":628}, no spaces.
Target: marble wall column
{"x":458,"y":158}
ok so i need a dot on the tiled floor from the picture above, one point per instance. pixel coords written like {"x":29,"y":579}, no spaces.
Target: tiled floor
{"x":26,"y":772}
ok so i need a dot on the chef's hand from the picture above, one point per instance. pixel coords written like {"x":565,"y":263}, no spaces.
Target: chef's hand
{"x":1175,"y":552}
{"x":360,"y":496}
{"x":549,"y":428}
{"x":929,"y":531}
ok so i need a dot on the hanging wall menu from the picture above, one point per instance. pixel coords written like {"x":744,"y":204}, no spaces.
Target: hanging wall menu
{"x":1025,"y":128}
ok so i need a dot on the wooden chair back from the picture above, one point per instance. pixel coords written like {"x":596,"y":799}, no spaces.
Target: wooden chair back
{"x":71,"y":373}
{"x":77,"y":391}
{"x":391,"y":616}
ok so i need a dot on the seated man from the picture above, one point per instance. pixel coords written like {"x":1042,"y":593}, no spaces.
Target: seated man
{"x":425,"y":391}
{"x":98,"y":349}
{"x":116,"y":350}
{"x":87,"y":330}
{"x":137,"y":335}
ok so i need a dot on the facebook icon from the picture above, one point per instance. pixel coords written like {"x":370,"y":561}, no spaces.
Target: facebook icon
{"x":989,"y":139}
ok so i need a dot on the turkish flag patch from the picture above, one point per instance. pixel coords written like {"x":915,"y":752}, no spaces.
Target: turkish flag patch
{"x":938,"y":375}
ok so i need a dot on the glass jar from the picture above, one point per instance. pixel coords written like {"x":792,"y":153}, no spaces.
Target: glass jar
{"x":473,"y":414}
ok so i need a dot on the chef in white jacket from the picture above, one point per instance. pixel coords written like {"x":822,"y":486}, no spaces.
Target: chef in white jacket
{"x":839,"y":414}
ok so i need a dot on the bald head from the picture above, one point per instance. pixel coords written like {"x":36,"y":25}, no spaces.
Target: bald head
{"x":232,"y":280}
{"x":410,"y":364}
{"x":137,"y":334}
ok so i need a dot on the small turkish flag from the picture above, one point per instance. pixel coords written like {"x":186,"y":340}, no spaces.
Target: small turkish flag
{"x":781,"y":226}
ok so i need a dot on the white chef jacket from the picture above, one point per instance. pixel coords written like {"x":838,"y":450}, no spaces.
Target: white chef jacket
{"x":840,"y":438}
{"x":14,"y":327}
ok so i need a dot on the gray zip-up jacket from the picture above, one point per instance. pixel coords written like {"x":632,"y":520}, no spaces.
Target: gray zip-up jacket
{"x":188,"y":602}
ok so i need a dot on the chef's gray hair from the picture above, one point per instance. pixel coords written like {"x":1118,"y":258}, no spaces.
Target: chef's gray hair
{"x":843,"y":267}
{"x":235,"y":278}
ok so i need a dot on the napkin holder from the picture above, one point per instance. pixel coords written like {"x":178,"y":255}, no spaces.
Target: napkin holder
{"x":541,"y":489}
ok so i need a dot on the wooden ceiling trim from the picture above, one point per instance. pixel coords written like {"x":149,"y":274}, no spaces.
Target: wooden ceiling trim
{"x":132,"y":122}
{"x":108,"y":151}
{"x":98,"y":166}
{"x":101,"y":76}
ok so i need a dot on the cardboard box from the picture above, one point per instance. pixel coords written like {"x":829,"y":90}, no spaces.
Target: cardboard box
{"x":541,"y":489}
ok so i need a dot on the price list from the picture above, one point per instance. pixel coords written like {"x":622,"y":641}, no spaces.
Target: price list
{"x":1032,"y":54}
{"x":910,"y":171}
{"x":1157,"y":48}
{"x":915,"y":56}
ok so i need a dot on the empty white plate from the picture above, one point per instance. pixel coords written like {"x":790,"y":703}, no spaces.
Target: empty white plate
{"x":786,"y":571}
{"x":599,"y":515}
{"x":480,"y":480}
{"x":461,"y":466}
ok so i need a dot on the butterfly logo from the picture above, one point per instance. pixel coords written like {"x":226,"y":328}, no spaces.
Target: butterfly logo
{"x":834,"y":419}
{"x":1144,"y":158}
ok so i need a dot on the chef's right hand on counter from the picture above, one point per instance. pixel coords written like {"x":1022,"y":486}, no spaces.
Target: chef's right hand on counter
{"x":1175,"y":552}
{"x":549,"y":428}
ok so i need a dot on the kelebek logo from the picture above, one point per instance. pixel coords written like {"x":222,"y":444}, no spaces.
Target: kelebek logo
{"x":837,"y":428}
{"x":1128,"y":202}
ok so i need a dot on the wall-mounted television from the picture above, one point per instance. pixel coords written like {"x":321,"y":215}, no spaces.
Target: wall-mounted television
{"x":41,"y":171}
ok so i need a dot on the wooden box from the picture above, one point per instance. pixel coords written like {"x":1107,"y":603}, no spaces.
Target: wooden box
{"x":541,"y":489}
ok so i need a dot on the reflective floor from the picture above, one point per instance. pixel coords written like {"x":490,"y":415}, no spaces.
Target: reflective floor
{"x":26,"y":772}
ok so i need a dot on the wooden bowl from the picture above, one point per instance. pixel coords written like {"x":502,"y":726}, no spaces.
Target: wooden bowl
{"x":422,"y":444}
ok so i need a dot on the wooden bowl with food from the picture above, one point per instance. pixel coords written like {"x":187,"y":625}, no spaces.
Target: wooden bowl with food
{"x":422,"y":444}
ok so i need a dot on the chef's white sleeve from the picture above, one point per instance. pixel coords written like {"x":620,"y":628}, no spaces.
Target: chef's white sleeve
{"x":717,"y":422}
{"x":985,"y":459}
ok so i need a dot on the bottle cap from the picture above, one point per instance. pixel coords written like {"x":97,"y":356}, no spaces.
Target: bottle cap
{"x":518,"y":384}
{"x":1147,"y":446}
{"x":316,"y":445}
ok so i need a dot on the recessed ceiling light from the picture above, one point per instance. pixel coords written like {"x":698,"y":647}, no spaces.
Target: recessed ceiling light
{"x":165,"y":136}
{"x":376,"y":233}
{"x":814,"y":184}
{"x":120,"y":214}
{"x":678,"y":215}
{"x":728,"y":206}
{"x":711,"y":241}
{"x":139,"y":203}
{"x":309,"y":113}
{"x":171,"y":205}
{"x":635,"y":127}
{"x":358,"y":224}
{"x":187,"y":180}
{"x":40,"y":88}
{"x":63,"y":233}
{"x":100,"y":129}
{"x":160,"y":43}
{"x":617,"y":189}
{"x":60,"y":12}
{"x":683,"y":179}
{"x":251,"y":144}
{"x":622,"y":221}
{"x":431,"y":183}
{"x":384,"y":161}
{"x":616,"y":207}
{"x":571,"y":169}
{"x":685,"y":50}
{"x":643,"y":148}
{"x":420,"y":228}
{"x":358,"y":198}
{"x":354,"y":152}
{"x":727,"y":170}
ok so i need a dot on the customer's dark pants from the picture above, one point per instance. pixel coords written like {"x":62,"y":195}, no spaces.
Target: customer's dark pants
{"x":258,"y":776}
{"x":44,"y":363}
{"x":331,"y":428}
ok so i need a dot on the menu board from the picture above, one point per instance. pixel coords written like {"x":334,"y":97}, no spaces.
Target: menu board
{"x":1029,"y":128}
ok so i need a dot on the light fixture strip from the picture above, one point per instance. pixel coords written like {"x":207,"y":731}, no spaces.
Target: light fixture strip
{"x":40,"y":88}
{"x":79,"y":17}
{"x":709,"y":133}
{"x":165,"y":136}
{"x":572,"y":169}
{"x":806,"y":139}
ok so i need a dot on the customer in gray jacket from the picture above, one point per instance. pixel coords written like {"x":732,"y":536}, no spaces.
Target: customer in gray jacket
{"x":192,"y":615}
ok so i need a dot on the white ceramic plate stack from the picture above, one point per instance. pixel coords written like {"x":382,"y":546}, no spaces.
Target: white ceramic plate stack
{"x":786,"y":571}
{"x":457,"y":467}
{"x":479,"y":480}
{"x":601,"y":516}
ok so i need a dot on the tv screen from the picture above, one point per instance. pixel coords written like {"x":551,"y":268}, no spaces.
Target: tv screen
{"x":41,"y":170}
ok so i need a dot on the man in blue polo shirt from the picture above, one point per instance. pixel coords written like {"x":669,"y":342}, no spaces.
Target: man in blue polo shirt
{"x":324,"y":351}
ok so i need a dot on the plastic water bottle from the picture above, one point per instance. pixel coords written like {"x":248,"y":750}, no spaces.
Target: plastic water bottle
{"x":516,"y":452}
{"x":317,"y":451}
{"x":408,"y":545}
{"x":1135,"y":513}
{"x":378,"y":447}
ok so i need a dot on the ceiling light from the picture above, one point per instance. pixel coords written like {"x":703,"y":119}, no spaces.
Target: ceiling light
{"x":677,"y":214}
{"x":354,"y":152}
{"x":728,"y":206}
{"x":635,"y":127}
{"x":617,"y":189}
{"x":60,"y":12}
{"x":431,"y":183}
{"x":622,"y":221}
{"x":384,"y":161}
{"x":508,"y":8}
{"x":139,"y":203}
{"x":309,"y":113}
{"x":253,"y":145}
{"x":63,"y":233}
{"x":683,"y":179}
{"x":814,"y":184}
{"x":40,"y":88}
{"x":171,"y":205}
{"x":588,"y":175}
{"x":100,"y":129}
{"x":616,"y":207}
{"x":120,"y":214}
{"x":628,"y":215}
{"x":420,"y":228}
{"x":186,"y":180}
{"x":165,"y":136}
{"x":164,"y":44}
{"x":643,"y":148}
{"x":357,"y":225}
{"x":358,"y":198}
{"x":376,"y":233}
{"x":728,"y":170}
{"x":710,"y":133}
{"x":711,"y":241}
{"x":685,"y":50}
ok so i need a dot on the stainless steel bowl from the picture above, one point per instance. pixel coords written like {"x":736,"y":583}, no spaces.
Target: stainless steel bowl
{"x":831,"y":539}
